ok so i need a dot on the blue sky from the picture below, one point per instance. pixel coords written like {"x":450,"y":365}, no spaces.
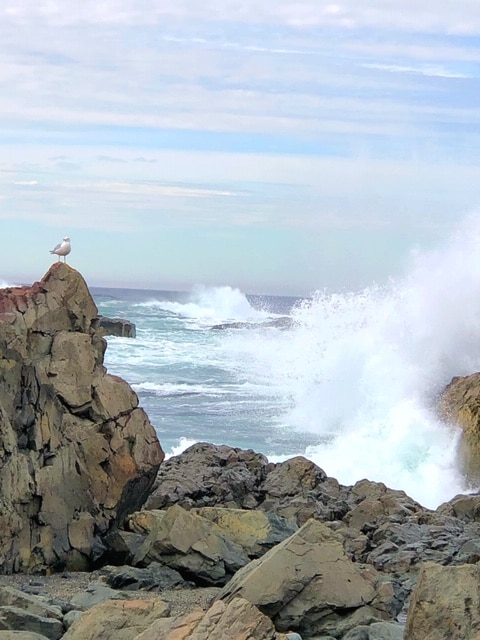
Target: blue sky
{"x":278,"y":147}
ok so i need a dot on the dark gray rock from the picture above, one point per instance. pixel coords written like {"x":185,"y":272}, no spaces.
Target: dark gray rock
{"x":277,"y":323}
{"x":155,"y":577}
{"x":115,"y":327}
{"x":377,"y":631}
{"x":16,"y":619}
{"x":95,"y":594}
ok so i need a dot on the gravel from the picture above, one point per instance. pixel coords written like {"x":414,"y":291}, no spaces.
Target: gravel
{"x":64,"y":586}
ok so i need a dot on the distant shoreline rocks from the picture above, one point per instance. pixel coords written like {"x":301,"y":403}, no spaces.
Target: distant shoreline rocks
{"x":115,"y":327}
{"x":284,"y":322}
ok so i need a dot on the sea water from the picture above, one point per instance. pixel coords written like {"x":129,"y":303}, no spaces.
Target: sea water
{"x":351,"y":381}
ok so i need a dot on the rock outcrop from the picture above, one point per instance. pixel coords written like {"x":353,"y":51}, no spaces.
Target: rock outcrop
{"x":77,"y":453}
{"x":460,"y":406}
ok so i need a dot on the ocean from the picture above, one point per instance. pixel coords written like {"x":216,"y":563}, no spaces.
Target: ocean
{"x":348,"y":379}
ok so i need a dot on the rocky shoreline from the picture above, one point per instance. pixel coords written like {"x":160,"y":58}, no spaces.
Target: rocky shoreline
{"x":101,"y":539}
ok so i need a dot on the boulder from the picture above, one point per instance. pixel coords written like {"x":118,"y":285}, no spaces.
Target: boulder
{"x":155,"y":577}
{"x":115,"y":327}
{"x":193,"y":546}
{"x":117,"y":620}
{"x":255,"y":531}
{"x":16,"y":619}
{"x":465,"y":507}
{"x":307,"y":584}
{"x":10,"y":597}
{"x":238,"y":620}
{"x":377,"y":631}
{"x":445,"y":604}
{"x":460,"y":406}
{"x":77,"y":453}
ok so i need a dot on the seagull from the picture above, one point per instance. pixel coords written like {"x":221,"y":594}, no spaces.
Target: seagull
{"x":62,"y":249}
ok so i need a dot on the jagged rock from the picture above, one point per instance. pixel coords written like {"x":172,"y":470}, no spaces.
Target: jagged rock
{"x":238,"y":620}
{"x":192,"y":545}
{"x":207,"y":475}
{"x":117,"y":620}
{"x":445,"y":604}
{"x":307,"y":584}
{"x":465,"y":507}
{"x":401,"y":548}
{"x":460,"y":406}
{"x":379,"y":501}
{"x":76,"y":452}
{"x":115,"y":327}
{"x":123,"y":546}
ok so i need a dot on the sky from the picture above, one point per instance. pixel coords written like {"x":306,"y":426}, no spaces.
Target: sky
{"x":275,"y":146}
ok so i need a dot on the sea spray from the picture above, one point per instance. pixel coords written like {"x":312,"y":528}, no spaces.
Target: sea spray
{"x":364,"y":370}
{"x":352,"y":383}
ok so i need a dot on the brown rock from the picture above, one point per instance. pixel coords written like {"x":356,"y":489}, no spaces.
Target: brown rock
{"x":194,"y":546}
{"x":76,"y":452}
{"x":308,"y":584}
{"x":445,"y":604}
{"x":460,"y":406}
{"x":239,"y":620}
{"x":117,"y":620}
{"x":254,"y":531}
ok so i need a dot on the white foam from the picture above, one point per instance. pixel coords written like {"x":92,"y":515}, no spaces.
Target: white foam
{"x":183,"y":444}
{"x":363,"y":371}
{"x":212,"y":305}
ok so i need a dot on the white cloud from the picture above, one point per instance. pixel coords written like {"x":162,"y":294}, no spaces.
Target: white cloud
{"x":435,"y":72}
{"x":429,"y":16}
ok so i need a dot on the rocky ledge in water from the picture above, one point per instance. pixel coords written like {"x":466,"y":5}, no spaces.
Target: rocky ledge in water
{"x":277,"y":323}
{"x":115,"y":327}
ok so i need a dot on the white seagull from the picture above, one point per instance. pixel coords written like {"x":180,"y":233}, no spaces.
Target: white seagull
{"x":62,"y":249}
